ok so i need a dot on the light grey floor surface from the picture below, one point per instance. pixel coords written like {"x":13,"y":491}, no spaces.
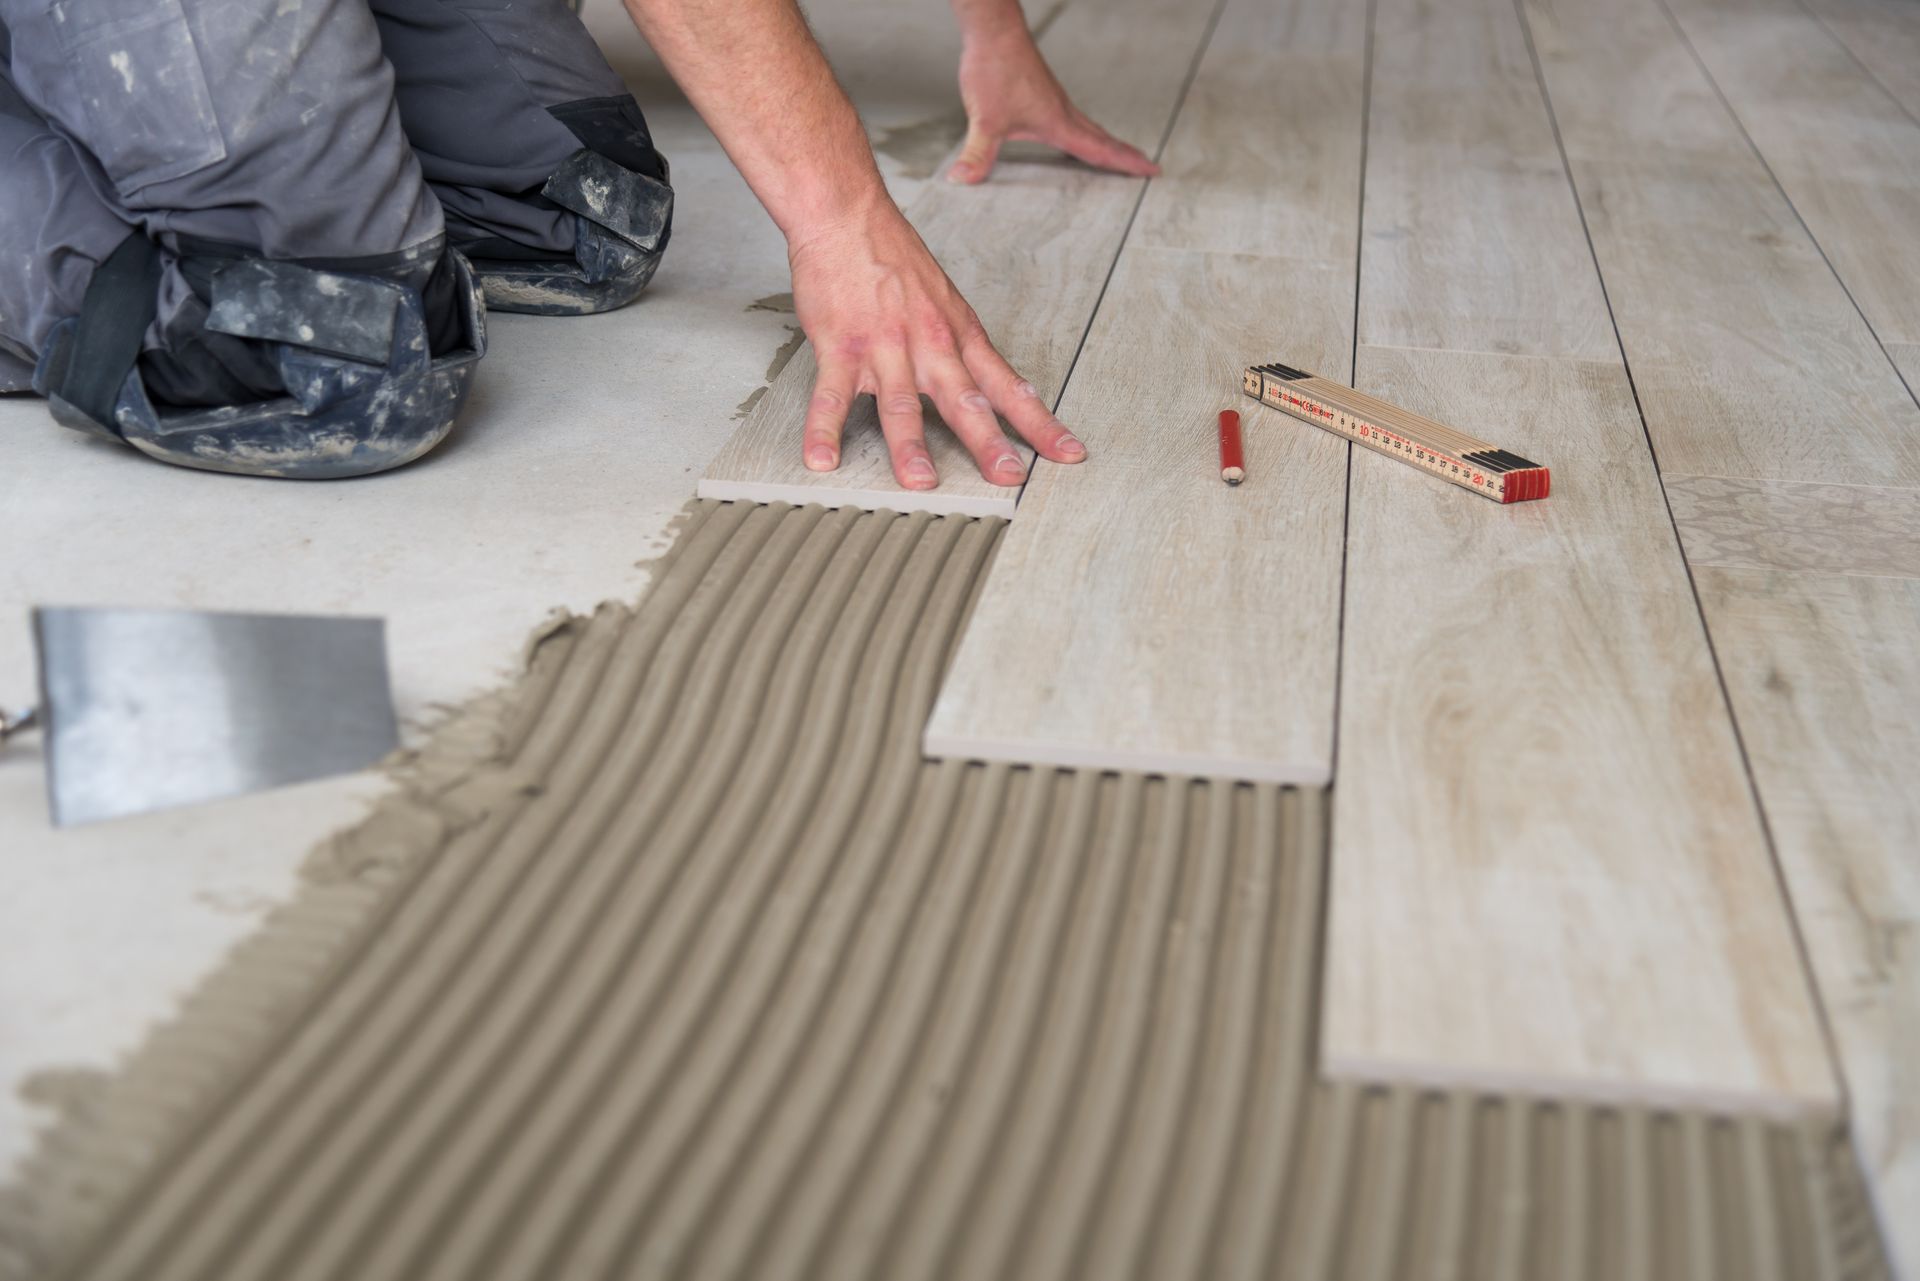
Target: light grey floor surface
{"x":582,"y":442}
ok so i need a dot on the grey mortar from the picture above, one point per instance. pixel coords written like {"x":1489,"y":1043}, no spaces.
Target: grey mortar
{"x":678,"y":960}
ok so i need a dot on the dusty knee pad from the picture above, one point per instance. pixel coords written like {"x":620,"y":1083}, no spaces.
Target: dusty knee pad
{"x":621,"y":218}
{"x":365,"y":390}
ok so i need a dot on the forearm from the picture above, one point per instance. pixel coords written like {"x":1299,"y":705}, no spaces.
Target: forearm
{"x":756,"y":75}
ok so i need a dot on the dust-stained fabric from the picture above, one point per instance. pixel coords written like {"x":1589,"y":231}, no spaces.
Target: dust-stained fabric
{"x":358,"y":148}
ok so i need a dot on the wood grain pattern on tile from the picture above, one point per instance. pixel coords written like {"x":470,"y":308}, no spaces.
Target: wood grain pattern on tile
{"x":1141,"y":613}
{"x":1752,"y":364}
{"x":1844,"y":152}
{"x":1548,"y":873}
{"x":1774,"y":524}
{"x":1029,"y":249}
{"x":1824,"y":673}
{"x":1472,"y":239}
{"x":1748,"y":355}
{"x":1906,"y":359}
{"x":1260,"y":163}
{"x":1885,"y":36}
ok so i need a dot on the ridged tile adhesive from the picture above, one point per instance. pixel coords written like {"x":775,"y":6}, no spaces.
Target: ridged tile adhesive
{"x":677,"y":960}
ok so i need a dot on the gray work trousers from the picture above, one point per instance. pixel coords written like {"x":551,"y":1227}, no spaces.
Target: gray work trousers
{"x":293,"y":191}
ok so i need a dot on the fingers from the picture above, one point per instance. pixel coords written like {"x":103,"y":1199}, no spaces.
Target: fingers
{"x":969,"y":413}
{"x":1087,"y":141}
{"x":897,"y":398}
{"x":833,"y":390}
{"x":976,"y":157}
{"x":1017,"y":400}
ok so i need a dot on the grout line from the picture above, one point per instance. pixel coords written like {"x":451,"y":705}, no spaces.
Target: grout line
{"x":1126,"y":233}
{"x":1834,"y":1062}
{"x":1323,"y":910}
{"x":1759,"y":155}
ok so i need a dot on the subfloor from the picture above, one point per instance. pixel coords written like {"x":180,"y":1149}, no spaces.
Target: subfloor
{"x":684,"y":962}
{"x":817,"y":1044}
{"x":581,"y":445}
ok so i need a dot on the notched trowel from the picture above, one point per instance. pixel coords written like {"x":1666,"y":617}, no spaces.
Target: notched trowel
{"x":144,"y":709}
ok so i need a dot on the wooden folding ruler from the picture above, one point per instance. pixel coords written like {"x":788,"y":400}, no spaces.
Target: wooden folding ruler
{"x":1451,"y":455}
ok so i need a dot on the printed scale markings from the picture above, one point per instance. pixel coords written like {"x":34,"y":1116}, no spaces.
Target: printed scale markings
{"x":1451,"y":455}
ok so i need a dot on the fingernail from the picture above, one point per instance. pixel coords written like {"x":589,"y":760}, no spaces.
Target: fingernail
{"x":959,"y":174}
{"x":820,"y":458}
{"x":920,"y":468}
{"x":1008,"y":464}
{"x":1071,"y":447}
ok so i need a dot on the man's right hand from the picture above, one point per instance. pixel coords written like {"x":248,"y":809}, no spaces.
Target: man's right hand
{"x":883,"y":317}
{"x":885,"y":321}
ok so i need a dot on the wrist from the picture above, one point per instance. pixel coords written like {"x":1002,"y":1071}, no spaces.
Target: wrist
{"x":829,"y":197}
{"x":856,"y":212}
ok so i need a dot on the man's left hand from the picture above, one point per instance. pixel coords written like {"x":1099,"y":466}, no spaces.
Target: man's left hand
{"x":1011,"y":95}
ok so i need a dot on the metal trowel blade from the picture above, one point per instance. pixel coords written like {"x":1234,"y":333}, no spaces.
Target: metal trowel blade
{"x":145,"y":709}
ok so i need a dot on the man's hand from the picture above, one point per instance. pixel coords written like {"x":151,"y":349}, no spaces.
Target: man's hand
{"x":883,"y":317}
{"x":885,"y":321}
{"x":1011,"y":95}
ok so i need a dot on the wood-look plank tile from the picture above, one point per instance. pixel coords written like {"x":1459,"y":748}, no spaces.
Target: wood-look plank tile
{"x":1844,"y":151}
{"x":1030,"y":250}
{"x":1824,"y":673}
{"x":761,"y":462}
{"x":1262,"y":162}
{"x":1624,"y":87}
{"x":1885,"y":36}
{"x":1773,"y":524}
{"x":1141,"y":614}
{"x":1701,"y":256}
{"x":1472,"y":239}
{"x":1749,"y":357}
{"x":1548,"y":873}
{"x":1906,"y":359}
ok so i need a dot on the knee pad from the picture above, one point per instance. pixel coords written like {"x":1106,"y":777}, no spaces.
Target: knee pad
{"x":365,"y":392}
{"x":622,"y":220}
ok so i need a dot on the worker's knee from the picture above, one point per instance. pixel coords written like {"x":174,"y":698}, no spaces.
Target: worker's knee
{"x":620,"y":219}
{"x":550,"y":181}
{"x":363,"y":383}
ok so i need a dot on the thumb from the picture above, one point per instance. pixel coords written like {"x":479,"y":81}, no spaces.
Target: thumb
{"x":976,"y":157}
{"x":1089,"y":143}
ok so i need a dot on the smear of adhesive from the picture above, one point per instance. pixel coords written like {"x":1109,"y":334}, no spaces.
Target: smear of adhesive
{"x":795,"y":337}
{"x":918,"y":148}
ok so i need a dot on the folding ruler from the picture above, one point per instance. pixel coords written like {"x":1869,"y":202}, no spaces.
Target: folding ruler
{"x":1448,"y":454}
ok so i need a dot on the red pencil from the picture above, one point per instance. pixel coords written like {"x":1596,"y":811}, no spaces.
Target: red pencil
{"x":1233,"y":463}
